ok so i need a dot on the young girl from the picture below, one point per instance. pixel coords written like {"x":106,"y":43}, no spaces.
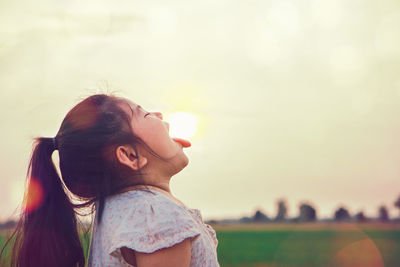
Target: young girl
{"x":119,"y":157}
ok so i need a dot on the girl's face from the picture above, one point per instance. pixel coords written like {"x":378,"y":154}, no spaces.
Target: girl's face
{"x":150,"y":127}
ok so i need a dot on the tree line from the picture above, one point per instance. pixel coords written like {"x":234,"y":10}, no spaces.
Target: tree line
{"x":307,"y":213}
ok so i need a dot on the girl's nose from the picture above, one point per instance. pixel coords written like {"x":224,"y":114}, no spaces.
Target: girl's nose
{"x":158,"y":114}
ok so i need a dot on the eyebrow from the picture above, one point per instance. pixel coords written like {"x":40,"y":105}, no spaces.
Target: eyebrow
{"x":135,"y":109}
{"x":131,"y":110}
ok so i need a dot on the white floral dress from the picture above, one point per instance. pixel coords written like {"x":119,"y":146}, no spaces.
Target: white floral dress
{"x":146,"y":220}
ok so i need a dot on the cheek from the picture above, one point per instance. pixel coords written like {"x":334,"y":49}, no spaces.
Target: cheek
{"x":158,"y":140}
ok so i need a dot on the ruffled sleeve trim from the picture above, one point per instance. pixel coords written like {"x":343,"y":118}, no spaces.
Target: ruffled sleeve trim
{"x":151,"y":225}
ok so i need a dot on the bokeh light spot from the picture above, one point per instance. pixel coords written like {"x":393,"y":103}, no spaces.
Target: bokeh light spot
{"x":361,"y":253}
{"x":35,"y":196}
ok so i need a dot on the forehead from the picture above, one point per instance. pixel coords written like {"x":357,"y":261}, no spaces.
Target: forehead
{"x":130,"y":107}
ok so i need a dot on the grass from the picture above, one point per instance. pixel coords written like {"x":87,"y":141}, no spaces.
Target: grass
{"x":307,"y":245}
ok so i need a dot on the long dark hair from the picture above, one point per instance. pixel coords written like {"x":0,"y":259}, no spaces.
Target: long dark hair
{"x":47,"y":234}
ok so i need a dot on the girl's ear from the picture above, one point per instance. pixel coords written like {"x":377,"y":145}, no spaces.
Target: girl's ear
{"x":126,"y":155}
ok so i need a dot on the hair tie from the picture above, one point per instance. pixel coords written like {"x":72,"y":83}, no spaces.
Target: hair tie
{"x":54,"y":143}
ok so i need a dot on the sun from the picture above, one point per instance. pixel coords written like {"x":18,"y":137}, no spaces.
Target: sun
{"x":182,"y":124}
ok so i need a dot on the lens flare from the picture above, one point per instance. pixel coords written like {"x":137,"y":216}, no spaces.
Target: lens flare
{"x":361,"y":253}
{"x":35,"y":196}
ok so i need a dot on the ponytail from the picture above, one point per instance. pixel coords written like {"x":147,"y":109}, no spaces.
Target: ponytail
{"x":46,"y":234}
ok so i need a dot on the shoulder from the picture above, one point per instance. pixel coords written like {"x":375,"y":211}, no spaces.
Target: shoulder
{"x":146,"y":210}
{"x":133,"y":195}
{"x":149,"y":221}
{"x":144,"y":201}
{"x":130,"y":201}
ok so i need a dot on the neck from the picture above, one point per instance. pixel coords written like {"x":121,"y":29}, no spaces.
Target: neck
{"x":152,"y":180}
{"x":158,"y":183}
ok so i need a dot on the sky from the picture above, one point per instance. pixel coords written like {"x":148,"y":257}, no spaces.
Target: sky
{"x":294,"y":99}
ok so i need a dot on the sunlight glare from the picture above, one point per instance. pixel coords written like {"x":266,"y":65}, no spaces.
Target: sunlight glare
{"x":182,"y":124}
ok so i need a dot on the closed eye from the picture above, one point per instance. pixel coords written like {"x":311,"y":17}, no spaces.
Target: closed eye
{"x":147,"y":114}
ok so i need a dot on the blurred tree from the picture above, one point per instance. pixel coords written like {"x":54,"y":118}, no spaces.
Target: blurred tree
{"x":282,"y":210}
{"x":307,"y":213}
{"x":10,"y":224}
{"x":245,"y":220}
{"x":341,"y":214}
{"x":259,"y":216}
{"x":212,"y":222}
{"x":360,"y":217}
{"x":383,"y":214}
{"x":397,"y":203}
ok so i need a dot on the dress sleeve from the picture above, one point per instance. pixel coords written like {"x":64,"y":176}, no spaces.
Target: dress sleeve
{"x":150,"y":226}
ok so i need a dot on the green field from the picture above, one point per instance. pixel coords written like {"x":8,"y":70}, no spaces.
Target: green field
{"x":308,"y":245}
